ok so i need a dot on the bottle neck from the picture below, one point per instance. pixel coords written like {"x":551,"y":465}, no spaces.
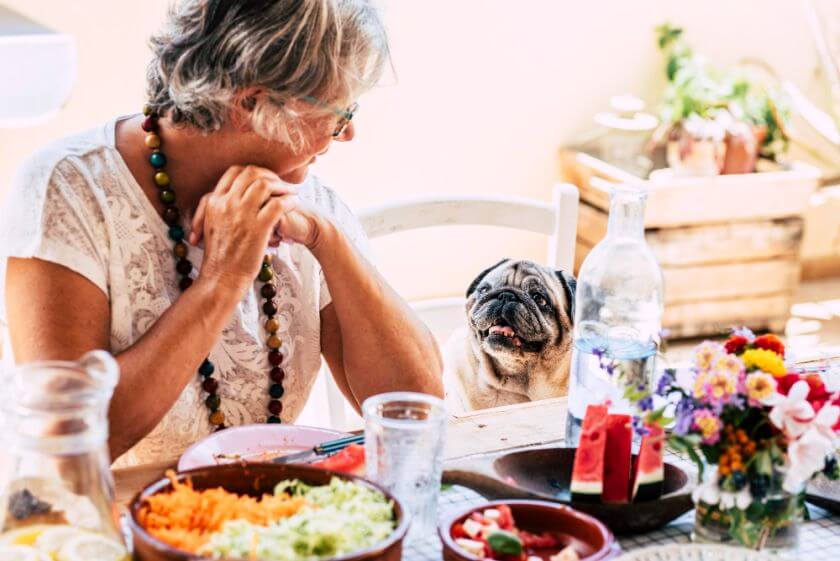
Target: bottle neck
{"x":627,"y":214}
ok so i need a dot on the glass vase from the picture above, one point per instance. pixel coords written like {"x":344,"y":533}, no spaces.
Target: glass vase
{"x":770,"y":523}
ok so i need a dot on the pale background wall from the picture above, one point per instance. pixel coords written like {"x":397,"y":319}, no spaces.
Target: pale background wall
{"x":485,"y":92}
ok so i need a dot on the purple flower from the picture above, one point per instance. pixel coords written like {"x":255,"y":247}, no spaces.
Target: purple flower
{"x":646,"y":403}
{"x":663,"y":387}
{"x":683,"y":412}
{"x":744,"y":332}
{"x":639,"y":427}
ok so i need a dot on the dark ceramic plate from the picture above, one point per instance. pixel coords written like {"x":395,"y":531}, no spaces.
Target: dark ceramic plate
{"x":256,"y":480}
{"x":546,"y":473}
{"x":590,"y":538}
{"x":825,"y":494}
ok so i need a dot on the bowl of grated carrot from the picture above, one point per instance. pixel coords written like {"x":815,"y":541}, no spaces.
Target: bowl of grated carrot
{"x":266,"y":512}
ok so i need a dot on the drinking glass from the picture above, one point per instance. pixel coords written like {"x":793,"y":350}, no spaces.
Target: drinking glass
{"x":404,"y":438}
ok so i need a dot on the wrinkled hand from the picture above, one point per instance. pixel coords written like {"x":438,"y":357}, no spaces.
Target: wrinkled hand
{"x":250,"y":209}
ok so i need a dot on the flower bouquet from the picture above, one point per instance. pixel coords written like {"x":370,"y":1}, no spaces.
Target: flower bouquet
{"x":758,"y":431}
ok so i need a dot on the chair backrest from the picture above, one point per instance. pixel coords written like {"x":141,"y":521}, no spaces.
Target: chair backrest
{"x":557,"y":219}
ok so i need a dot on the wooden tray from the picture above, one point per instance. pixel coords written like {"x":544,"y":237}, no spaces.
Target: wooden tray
{"x":545,"y":474}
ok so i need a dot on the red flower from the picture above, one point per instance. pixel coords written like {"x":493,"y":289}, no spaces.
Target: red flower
{"x":770,"y":342}
{"x":817,"y":391}
{"x":784,"y":383}
{"x":736,"y":344}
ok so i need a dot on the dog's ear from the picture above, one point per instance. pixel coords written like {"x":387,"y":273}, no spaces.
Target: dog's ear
{"x":569,"y":284}
{"x":474,"y":284}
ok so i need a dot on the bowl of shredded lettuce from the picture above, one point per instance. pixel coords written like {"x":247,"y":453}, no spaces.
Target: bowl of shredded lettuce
{"x":327,"y":516}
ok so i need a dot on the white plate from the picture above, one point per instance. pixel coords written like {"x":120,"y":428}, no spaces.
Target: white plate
{"x":249,"y":441}
{"x":694,"y":552}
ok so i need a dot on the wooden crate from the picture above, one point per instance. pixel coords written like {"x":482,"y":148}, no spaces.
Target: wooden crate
{"x":728,"y":246}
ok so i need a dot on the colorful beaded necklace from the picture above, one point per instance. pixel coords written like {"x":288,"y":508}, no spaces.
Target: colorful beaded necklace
{"x":184,"y":267}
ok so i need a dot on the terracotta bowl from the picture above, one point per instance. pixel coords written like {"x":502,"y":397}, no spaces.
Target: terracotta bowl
{"x":591,"y":539}
{"x":256,"y":480}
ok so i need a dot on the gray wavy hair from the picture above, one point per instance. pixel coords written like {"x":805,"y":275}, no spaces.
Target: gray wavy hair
{"x":210,"y":51}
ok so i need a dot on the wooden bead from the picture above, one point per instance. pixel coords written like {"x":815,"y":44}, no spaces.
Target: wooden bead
{"x":157,"y":159}
{"x":185,"y":283}
{"x":207,"y":368}
{"x":268,"y":291}
{"x":269,"y":308}
{"x":171,"y":214}
{"x":210,"y":385}
{"x":272,"y":325}
{"x":162,"y":179}
{"x":213,"y":402}
{"x":217,"y":418}
{"x":152,"y":140}
{"x":167,"y":196}
{"x":278,"y":375}
{"x":180,"y":250}
{"x":275,"y":358}
{"x":275,"y":407}
{"x":276,"y":391}
{"x":184,"y":267}
{"x":274,"y":342}
{"x":266,"y":274}
{"x":147,"y":110}
{"x":273,"y":420}
{"x":150,"y":123}
{"x":176,"y":233}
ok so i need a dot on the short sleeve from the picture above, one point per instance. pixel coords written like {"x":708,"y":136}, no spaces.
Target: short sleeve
{"x":344,"y":218}
{"x":52,"y":212}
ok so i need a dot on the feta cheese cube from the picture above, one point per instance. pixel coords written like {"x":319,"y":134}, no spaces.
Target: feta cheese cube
{"x":472,"y":528}
{"x":567,"y":554}
{"x":492,"y":514}
{"x":471,"y":546}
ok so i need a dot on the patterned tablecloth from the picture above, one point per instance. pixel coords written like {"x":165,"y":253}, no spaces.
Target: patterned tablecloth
{"x":819,"y":537}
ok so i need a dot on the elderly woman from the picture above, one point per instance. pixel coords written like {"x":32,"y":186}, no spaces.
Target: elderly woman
{"x":192,"y":242}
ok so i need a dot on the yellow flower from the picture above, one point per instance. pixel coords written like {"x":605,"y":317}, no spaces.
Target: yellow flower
{"x":706,"y":354}
{"x":767,"y":361}
{"x":722,"y":385}
{"x":700,"y":384}
{"x":730,"y":365}
{"x":760,"y":386}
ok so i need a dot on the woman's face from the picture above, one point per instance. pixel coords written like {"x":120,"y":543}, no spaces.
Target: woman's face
{"x":292,"y":166}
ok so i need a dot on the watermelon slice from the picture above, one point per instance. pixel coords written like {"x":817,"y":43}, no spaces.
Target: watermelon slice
{"x":350,"y":460}
{"x":617,"y":459}
{"x":588,"y":471}
{"x":648,"y":467}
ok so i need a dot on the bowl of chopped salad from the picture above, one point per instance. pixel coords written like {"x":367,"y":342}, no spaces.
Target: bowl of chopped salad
{"x":266,"y":512}
{"x":525,"y":530}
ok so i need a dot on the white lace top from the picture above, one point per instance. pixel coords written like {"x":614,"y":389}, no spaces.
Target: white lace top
{"x":76,"y":204}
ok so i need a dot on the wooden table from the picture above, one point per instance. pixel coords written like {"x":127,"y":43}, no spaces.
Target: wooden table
{"x":489,"y":430}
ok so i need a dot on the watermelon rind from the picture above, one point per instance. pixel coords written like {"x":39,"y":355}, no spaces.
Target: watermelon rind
{"x":648,"y":469}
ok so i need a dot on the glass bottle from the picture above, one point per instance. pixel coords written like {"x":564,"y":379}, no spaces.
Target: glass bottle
{"x":618,"y":314}
{"x":56,"y":487}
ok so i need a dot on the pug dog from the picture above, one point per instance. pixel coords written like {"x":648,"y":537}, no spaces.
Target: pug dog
{"x":517,"y":344}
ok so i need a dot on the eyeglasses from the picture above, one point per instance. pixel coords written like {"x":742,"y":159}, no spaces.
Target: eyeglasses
{"x":345,"y":115}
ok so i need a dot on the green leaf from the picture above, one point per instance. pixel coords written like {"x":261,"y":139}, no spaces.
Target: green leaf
{"x":505,"y":543}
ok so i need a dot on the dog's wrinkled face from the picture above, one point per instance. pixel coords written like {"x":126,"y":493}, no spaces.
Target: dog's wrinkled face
{"x":520,"y":311}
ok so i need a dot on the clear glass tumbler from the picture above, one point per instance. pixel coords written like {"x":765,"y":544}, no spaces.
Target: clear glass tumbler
{"x":404,"y":439}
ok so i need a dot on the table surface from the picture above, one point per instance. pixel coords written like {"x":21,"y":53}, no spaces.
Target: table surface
{"x":516,"y":427}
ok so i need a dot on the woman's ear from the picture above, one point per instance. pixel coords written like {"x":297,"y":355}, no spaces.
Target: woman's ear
{"x":243,"y":103}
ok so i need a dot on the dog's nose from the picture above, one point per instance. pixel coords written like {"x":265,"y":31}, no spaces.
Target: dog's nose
{"x":507,"y":296}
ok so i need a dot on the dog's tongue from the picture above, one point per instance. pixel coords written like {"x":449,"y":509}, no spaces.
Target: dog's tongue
{"x":505,"y":330}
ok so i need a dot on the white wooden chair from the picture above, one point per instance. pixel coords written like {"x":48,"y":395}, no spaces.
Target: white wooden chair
{"x":557,"y":219}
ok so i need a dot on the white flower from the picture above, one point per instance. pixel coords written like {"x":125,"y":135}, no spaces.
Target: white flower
{"x":806,"y":456}
{"x":741,"y":499}
{"x":831,"y":379}
{"x":685,"y":378}
{"x":792,"y":414}
{"x":825,"y":420}
{"x":707,"y":492}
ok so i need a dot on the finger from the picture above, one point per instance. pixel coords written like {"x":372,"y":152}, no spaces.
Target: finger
{"x":275,"y":208}
{"x":226,"y":181}
{"x":245,"y":180}
{"x":197,"y":227}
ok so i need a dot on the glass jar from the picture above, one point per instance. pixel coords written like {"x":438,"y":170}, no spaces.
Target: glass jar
{"x":56,"y":487}
{"x":770,"y":522}
{"x":618,"y":314}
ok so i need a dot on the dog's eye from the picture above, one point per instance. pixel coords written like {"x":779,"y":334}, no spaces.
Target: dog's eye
{"x":484,"y":289}
{"x":538,"y":298}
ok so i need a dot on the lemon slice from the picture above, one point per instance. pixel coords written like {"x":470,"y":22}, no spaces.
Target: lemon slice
{"x":21,"y":553}
{"x":25,"y":535}
{"x":91,"y":547}
{"x":53,"y":538}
